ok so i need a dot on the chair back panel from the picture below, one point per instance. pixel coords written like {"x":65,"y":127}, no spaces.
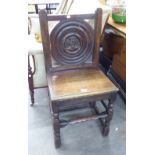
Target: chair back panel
{"x":72,"y":42}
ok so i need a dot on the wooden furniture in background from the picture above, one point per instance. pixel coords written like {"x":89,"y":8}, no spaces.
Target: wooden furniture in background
{"x":114,"y":44}
{"x":36,"y":67}
{"x":117,"y":26}
{"x":74,"y":75}
{"x":119,"y":58}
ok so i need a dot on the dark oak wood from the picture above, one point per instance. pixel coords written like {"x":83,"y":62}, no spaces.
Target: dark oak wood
{"x":64,"y":123}
{"x":118,"y":82}
{"x":65,"y":17}
{"x":114,"y":54}
{"x":119,"y":58}
{"x":72,"y":42}
{"x":106,"y":126}
{"x":103,"y":32}
{"x":67,"y":67}
{"x":97,"y":35}
{"x":74,"y":76}
{"x":45,"y":39}
{"x":30,"y":78}
{"x":78,"y":83}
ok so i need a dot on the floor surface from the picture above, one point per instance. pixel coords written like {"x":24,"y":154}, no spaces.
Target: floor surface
{"x":79,"y":139}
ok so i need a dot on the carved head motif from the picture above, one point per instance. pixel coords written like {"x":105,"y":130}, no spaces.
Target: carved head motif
{"x":72,"y":44}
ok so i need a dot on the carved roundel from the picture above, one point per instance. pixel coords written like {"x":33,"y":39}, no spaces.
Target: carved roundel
{"x":72,"y":42}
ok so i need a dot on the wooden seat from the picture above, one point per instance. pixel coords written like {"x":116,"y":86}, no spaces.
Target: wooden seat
{"x":71,"y":52}
{"x":78,"y":83}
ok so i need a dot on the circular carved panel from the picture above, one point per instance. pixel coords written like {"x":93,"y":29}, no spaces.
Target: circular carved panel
{"x":72,"y":42}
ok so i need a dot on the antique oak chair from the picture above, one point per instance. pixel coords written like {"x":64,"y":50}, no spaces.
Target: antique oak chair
{"x":71,"y":52}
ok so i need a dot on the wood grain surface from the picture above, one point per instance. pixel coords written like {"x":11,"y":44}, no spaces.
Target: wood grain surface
{"x":80,"y":82}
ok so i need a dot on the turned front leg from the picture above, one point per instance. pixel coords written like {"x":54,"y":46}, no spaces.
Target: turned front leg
{"x":56,"y":125}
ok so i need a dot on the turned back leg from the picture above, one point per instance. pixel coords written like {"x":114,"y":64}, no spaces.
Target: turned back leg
{"x":106,"y":126}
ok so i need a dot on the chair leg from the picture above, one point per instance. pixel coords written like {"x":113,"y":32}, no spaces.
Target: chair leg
{"x":30,"y":81}
{"x":56,"y":126}
{"x":32,"y":97}
{"x":104,"y":122}
{"x":106,"y":126}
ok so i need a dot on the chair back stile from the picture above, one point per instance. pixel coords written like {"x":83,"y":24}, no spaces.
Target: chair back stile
{"x":98,"y":27}
{"x":45,"y":39}
{"x":73,"y":42}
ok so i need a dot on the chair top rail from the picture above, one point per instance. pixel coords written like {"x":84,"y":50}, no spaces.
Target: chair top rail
{"x":64,"y":17}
